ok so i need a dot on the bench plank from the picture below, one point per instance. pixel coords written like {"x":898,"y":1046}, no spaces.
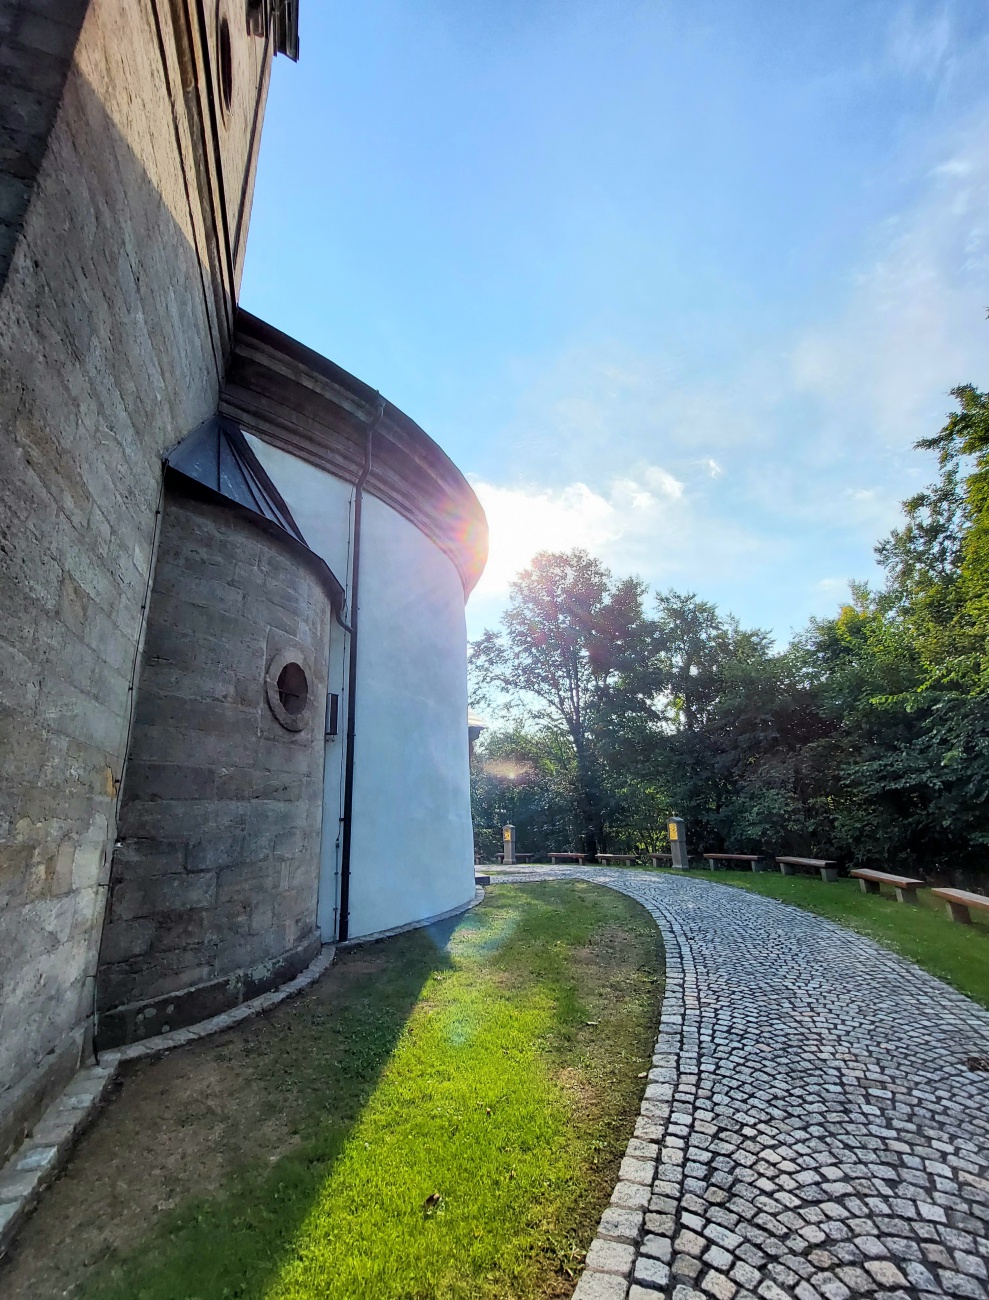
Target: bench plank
{"x":616,"y":857}
{"x":959,"y":901}
{"x":754,"y":859}
{"x":827,"y":867}
{"x":906,"y":886}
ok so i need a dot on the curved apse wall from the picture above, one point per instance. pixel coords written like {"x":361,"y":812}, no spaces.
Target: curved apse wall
{"x":215,"y":873}
{"x":412,"y":852}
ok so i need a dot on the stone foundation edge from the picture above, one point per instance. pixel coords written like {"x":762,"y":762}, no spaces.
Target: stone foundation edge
{"x":45,"y":1150}
{"x":139,"y":1021}
{"x":415,"y":925}
{"x":21,"y":1106}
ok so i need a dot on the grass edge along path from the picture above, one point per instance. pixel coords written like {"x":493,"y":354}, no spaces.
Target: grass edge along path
{"x":922,"y":933}
{"x":487,"y":1144}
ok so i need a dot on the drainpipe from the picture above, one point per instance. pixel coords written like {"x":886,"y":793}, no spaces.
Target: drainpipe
{"x":343,"y":928}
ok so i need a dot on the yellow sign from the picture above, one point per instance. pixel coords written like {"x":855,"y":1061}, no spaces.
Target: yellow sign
{"x":508,"y":835}
{"x":672,"y":830}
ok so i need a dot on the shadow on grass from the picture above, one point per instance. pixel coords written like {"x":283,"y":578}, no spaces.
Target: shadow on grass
{"x":460,"y":1100}
{"x":320,"y":1060}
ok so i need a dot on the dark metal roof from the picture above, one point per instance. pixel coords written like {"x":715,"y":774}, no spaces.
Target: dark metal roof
{"x":218,"y":456}
{"x":216,"y":459}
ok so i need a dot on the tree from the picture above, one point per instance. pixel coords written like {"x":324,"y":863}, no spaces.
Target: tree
{"x":571,"y":637}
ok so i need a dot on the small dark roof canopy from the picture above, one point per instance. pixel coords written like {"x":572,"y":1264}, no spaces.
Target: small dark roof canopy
{"x":216,"y":461}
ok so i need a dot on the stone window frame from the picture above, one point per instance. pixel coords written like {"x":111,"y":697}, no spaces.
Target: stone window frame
{"x":276,"y":665}
{"x":222,"y":28}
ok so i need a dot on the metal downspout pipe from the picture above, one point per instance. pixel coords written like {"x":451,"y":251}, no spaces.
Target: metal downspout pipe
{"x":343,"y":927}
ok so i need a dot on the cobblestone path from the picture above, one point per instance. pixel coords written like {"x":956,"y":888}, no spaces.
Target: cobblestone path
{"x":810,"y":1126}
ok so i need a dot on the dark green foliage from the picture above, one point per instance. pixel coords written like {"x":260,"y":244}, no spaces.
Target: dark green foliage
{"x":865,"y":739}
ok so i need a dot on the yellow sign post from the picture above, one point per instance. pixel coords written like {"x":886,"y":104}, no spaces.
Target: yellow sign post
{"x":676,"y":829}
{"x":508,"y":845}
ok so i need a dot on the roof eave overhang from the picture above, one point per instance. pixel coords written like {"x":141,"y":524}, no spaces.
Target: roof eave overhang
{"x":295,"y":399}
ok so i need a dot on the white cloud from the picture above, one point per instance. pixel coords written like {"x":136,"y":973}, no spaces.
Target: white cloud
{"x":785,"y":464}
{"x":649,"y":523}
{"x":913,"y":326}
{"x":526,"y":519}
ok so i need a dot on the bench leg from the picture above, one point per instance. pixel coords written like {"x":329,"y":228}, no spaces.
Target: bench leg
{"x":829,"y":875}
{"x":907,"y":895}
{"x":759,"y":866}
{"x":869,"y":886}
{"x":787,"y":870}
{"x":960,"y":913}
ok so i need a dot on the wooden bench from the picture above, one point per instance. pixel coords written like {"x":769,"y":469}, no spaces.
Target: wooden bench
{"x":755,"y":859}
{"x":617,"y":857}
{"x":580,"y":858}
{"x":959,"y":901}
{"x":519,"y":857}
{"x":869,"y":881}
{"x":826,"y":866}
{"x":654,"y":858}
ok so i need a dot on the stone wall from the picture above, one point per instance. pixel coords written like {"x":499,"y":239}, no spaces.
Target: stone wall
{"x":216,"y":869}
{"x":111,"y":349}
{"x":37,"y":38}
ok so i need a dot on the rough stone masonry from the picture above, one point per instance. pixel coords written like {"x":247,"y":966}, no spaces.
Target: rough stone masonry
{"x":117,"y":284}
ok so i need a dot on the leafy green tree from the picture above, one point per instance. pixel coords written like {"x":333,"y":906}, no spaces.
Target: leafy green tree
{"x":526,"y":778}
{"x":569,"y":637}
{"x":866,"y":739}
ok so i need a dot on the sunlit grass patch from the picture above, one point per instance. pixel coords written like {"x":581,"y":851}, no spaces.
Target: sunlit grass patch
{"x":460,"y":1113}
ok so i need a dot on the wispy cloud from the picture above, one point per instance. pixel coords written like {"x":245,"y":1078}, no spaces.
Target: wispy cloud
{"x":792,"y":460}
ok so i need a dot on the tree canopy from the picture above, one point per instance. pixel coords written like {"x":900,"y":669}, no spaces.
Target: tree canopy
{"x":865,"y":738}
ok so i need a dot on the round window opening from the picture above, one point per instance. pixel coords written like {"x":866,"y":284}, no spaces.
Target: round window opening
{"x":226,"y":62}
{"x":293,"y":690}
{"x":288,"y":690}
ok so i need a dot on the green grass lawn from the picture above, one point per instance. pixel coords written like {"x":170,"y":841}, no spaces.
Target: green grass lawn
{"x":459,"y":1116}
{"x":957,"y":954}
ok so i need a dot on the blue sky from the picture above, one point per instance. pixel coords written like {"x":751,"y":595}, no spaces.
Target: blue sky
{"x":679,"y":282}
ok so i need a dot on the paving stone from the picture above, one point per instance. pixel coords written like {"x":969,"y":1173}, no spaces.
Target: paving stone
{"x":719,"y":1258}
{"x":637,"y":1171}
{"x":620,"y":1225}
{"x":960,"y":1284}
{"x":611,"y":1257}
{"x":920,"y":1277}
{"x":716,"y":1284}
{"x":652,"y":1272}
{"x":600,"y":1286}
{"x":657,"y":1248}
{"x":686,"y":1266}
{"x":630,"y":1196}
{"x":885,"y":1273}
{"x":689,"y":1243}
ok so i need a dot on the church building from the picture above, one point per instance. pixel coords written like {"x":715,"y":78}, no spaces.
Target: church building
{"x":233,"y":689}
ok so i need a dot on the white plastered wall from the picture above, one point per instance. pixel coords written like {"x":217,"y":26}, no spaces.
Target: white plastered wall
{"x":412,"y":854}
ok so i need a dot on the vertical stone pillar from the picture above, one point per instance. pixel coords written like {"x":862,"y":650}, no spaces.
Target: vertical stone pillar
{"x":676,"y":828}
{"x":508,"y":845}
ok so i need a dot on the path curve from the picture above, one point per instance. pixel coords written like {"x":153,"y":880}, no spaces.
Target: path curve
{"x":810,"y":1127}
